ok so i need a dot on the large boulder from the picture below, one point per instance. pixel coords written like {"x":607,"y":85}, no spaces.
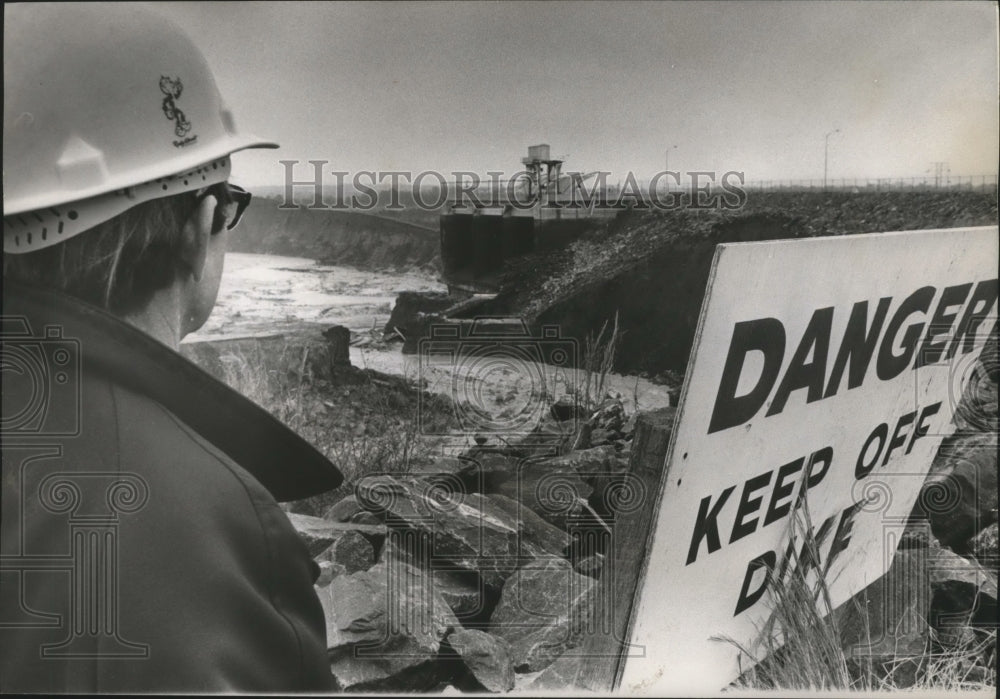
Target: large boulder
{"x":384,"y":628}
{"x":977,"y":409}
{"x":320,"y":533}
{"x":410,"y":311}
{"x":885,"y":628}
{"x":531,"y":526}
{"x":462,"y":590}
{"x":543,"y":611}
{"x":602,"y":437}
{"x":555,"y":494}
{"x":590,"y":566}
{"x":327,"y":572}
{"x":984,"y":547}
{"x":928,"y":593}
{"x":487,"y":657}
{"x":483,"y":469}
{"x":610,"y":414}
{"x":567,"y":407}
{"x":602,"y":468}
{"x":342,"y":510}
{"x":368,"y":518}
{"x":963,"y":597}
{"x":468,"y":530}
{"x":586,"y":462}
{"x":561,"y":675}
{"x":442,"y":467}
{"x":959,"y":498}
{"x":349,"y":553}
{"x":549,"y":433}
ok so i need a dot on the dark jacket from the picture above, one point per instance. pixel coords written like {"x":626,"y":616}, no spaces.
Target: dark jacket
{"x":143,"y":547}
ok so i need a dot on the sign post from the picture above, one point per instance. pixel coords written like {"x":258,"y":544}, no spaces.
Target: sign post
{"x":824,"y":369}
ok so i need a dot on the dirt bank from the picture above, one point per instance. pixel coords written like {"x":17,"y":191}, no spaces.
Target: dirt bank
{"x":336,"y":237}
{"x":651,"y":266}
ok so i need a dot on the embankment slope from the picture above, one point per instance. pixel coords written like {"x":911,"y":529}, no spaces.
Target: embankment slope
{"x":651,"y":267}
{"x":336,"y":237}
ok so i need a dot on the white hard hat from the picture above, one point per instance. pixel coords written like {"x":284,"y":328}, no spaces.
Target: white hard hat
{"x":105,"y":106}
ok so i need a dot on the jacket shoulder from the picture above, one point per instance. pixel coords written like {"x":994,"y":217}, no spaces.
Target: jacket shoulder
{"x":248,"y":572}
{"x":212,"y":587}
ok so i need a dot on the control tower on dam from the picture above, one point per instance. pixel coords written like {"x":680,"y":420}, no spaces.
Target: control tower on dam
{"x":541,"y":207}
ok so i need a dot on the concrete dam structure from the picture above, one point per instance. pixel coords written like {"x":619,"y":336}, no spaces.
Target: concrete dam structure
{"x":541,"y":210}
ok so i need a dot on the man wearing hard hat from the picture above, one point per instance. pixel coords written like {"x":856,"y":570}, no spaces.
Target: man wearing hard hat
{"x":143,"y":548}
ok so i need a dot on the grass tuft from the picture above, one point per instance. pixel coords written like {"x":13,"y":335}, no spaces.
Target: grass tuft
{"x":598,"y":361}
{"x":800,"y":645}
{"x":364,"y":422}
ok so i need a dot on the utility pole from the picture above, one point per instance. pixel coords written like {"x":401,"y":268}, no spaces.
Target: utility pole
{"x":940,"y":167}
{"x":826,"y":154}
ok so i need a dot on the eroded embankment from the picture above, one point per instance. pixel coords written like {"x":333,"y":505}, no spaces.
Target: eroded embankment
{"x":336,"y":237}
{"x":651,"y":267}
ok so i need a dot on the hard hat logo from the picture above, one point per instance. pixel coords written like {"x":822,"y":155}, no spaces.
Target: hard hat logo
{"x":86,"y":130}
{"x":172,"y":88}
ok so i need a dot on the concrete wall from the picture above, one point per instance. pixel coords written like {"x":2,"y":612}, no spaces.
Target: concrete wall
{"x":476,"y":246}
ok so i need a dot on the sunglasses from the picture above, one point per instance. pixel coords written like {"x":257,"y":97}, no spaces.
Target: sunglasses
{"x":232,"y":200}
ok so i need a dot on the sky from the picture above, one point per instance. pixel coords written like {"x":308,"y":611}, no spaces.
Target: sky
{"x":746,"y":86}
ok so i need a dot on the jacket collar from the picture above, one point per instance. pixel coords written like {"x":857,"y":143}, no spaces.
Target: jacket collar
{"x":288,"y":466}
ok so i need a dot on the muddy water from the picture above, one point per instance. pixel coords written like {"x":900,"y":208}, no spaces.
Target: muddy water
{"x":268,"y":294}
{"x":265,"y":295}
